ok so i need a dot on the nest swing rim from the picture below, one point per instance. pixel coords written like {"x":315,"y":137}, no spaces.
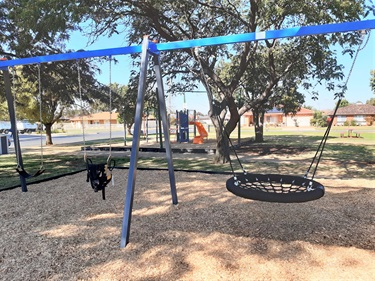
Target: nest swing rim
{"x":305,"y":190}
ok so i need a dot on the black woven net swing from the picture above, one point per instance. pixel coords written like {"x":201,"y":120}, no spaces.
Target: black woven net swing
{"x":286,"y":188}
{"x":277,"y":187}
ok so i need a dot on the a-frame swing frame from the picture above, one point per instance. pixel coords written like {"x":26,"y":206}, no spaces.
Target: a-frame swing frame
{"x":146,"y":52}
{"x":149,"y":48}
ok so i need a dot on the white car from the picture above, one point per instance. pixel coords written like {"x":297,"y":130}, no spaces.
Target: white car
{"x":26,"y":127}
{"x":5,"y":127}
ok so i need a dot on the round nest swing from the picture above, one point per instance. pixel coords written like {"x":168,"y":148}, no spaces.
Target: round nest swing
{"x":275,"y":188}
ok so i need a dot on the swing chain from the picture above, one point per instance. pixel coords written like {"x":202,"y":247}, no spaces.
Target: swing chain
{"x":110,"y":111}
{"x":40,"y":118}
{"x":82,"y":111}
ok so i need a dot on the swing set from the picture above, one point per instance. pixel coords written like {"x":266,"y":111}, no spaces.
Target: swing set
{"x":271,"y":188}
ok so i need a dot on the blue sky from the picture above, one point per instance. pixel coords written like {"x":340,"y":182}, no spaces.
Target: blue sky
{"x":358,"y":86}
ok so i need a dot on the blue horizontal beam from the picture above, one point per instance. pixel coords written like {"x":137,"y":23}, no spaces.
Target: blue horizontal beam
{"x":212,"y":41}
{"x":268,"y":35}
{"x":72,"y":56}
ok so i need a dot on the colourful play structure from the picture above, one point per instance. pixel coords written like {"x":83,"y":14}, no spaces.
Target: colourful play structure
{"x":182,"y":128}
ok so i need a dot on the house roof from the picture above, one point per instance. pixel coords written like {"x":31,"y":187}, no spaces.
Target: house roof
{"x":96,"y":116}
{"x":302,"y":111}
{"x":356,"y":109}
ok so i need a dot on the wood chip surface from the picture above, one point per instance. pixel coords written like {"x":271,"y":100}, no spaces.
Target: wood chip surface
{"x":62,"y":230}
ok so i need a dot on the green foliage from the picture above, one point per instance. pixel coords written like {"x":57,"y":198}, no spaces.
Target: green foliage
{"x":271,"y":73}
{"x":40,"y":27}
{"x":351,"y":123}
{"x":319,"y":120}
{"x":371,"y":101}
{"x":125,"y":103}
{"x":343,"y":103}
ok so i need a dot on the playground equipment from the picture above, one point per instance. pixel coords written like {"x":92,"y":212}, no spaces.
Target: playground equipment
{"x":201,"y":130}
{"x":99,"y":175}
{"x":277,"y":187}
{"x":182,"y":125}
{"x":150,"y":48}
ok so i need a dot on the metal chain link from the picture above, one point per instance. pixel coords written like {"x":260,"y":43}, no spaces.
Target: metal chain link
{"x":40,"y":118}
{"x":82,"y":111}
{"x":110,"y":110}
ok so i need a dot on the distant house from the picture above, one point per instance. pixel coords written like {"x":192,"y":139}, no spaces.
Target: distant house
{"x":355,"y":114}
{"x":102,"y":118}
{"x":275,"y":117}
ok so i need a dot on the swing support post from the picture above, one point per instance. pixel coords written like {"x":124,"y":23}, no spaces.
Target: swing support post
{"x":13,"y":123}
{"x":125,"y":233}
{"x":163,"y":114}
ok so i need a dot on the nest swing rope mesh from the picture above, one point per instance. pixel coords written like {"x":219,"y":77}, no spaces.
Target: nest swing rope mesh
{"x":276,"y":187}
{"x":286,"y":188}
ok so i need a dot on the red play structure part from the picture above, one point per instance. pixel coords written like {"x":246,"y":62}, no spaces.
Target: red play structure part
{"x":202,"y":132}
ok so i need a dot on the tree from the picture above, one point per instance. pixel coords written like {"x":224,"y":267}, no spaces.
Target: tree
{"x":59,"y":88}
{"x":343,"y":103}
{"x":319,"y":120}
{"x":29,"y":29}
{"x":171,"y":20}
{"x":307,"y":57}
{"x":372,"y":81}
{"x":124,"y":102}
{"x":283,"y":94}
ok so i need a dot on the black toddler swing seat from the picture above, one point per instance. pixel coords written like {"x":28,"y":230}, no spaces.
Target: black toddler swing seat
{"x":99,"y":175}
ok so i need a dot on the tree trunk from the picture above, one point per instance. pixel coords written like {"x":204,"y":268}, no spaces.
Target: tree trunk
{"x":217,"y":114}
{"x":258,"y":125}
{"x":222,"y":154}
{"x":129,"y":127}
{"x":223,"y":148}
{"x":48,"y":134}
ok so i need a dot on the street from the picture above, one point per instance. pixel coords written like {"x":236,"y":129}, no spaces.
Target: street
{"x":33,"y":140}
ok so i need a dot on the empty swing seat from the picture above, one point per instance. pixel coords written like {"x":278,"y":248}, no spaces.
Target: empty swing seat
{"x":275,"y":188}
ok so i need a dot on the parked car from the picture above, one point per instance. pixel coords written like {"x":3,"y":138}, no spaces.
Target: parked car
{"x":26,"y":127}
{"x":5,"y":127}
{"x":23,"y":126}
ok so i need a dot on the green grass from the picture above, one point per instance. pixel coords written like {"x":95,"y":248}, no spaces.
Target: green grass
{"x":340,"y":150}
{"x":61,"y":164}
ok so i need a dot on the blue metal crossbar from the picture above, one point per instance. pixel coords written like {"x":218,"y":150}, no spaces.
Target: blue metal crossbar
{"x":268,"y":35}
{"x":219,"y":40}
